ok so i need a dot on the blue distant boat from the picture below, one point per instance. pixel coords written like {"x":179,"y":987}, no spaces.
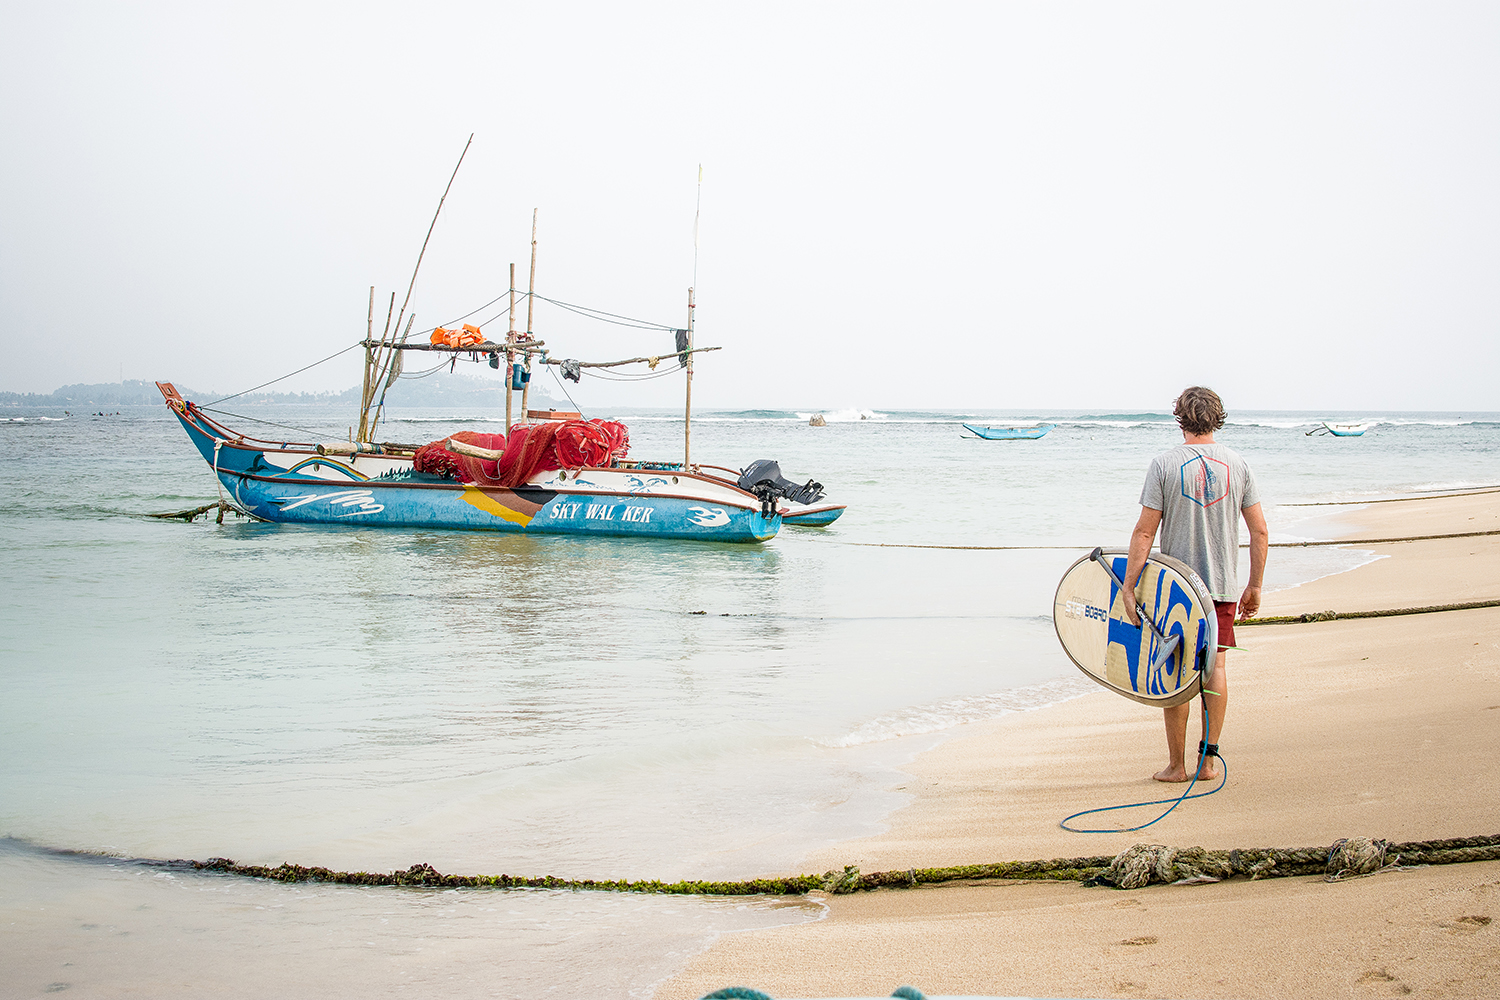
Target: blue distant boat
{"x":1010,"y":433}
{"x":1340,"y":430}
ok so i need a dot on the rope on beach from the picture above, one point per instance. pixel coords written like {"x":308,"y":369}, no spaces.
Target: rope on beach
{"x":1330,"y":616}
{"x":1143,"y":864}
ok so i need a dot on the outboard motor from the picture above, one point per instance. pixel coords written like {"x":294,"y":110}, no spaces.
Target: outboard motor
{"x":764,"y":479}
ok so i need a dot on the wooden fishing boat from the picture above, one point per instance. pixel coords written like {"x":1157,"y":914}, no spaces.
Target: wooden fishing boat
{"x":377,"y":484}
{"x":1346,"y":430}
{"x":550,"y":473}
{"x":1009,"y":433}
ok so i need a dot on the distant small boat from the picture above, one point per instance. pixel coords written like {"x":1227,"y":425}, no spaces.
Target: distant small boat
{"x":1010,"y":433}
{"x":1341,"y":430}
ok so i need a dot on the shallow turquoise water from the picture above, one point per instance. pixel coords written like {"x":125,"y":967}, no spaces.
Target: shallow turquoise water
{"x":600,"y":708}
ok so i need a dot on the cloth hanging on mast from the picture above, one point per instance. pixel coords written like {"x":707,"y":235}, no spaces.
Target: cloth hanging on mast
{"x":571,"y":370}
{"x":682,"y":345}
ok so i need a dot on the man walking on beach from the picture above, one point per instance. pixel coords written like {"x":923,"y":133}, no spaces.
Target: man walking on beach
{"x":1196,"y":493}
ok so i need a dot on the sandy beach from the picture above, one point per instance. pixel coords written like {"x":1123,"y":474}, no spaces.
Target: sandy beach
{"x":1381,"y":727}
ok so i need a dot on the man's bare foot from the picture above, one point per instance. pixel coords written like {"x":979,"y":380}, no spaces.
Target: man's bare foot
{"x":1179,"y":775}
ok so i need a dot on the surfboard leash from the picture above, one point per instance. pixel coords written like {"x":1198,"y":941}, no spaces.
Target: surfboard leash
{"x":1205,"y":750}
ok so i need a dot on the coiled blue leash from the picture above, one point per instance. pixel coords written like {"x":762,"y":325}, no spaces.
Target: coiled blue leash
{"x":1205,"y":750}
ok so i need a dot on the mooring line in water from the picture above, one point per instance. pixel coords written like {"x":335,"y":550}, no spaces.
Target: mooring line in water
{"x":1084,"y":548}
{"x":1345,"y":858}
{"x":1359,"y":503}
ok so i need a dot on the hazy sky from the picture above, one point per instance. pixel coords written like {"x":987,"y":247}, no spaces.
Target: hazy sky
{"x":1000,"y":205}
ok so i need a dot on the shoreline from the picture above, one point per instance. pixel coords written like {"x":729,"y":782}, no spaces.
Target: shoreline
{"x":1381,"y":727}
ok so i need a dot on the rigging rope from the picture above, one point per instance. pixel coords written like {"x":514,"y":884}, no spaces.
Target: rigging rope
{"x":299,"y":371}
{"x":257,"y":420}
{"x":600,"y":314}
{"x":559,"y":381}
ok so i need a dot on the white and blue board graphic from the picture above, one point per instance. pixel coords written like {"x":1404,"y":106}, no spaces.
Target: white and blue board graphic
{"x":1157,"y":663}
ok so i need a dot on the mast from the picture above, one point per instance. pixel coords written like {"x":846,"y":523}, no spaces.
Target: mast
{"x":364,"y":393}
{"x":390,"y":363}
{"x":687,"y":412}
{"x":530,"y":305}
{"x":510,"y":338}
{"x":687,"y":415}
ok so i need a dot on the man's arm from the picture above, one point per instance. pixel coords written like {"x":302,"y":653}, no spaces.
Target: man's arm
{"x":1140,"y":547}
{"x":1260,"y":545}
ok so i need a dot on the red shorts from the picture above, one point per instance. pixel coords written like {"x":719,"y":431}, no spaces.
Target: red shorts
{"x":1226,"y":611}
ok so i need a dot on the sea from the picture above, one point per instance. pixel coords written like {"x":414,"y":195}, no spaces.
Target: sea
{"x":370,"y":699}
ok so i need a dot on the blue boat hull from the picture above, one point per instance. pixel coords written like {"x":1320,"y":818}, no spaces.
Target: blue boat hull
{"x":293,"y":484}
{"x":536,"y":511}
{"x":1010,"y":433}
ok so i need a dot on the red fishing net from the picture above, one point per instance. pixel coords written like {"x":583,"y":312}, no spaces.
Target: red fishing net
{"x":531,"y":448}
{"x":438,"y":461}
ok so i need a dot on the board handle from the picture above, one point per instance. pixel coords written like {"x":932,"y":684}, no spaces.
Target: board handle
{"x":1169,"y":643}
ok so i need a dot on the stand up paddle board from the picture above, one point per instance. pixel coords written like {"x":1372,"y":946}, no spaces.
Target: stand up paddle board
{"x":1158,"y":663}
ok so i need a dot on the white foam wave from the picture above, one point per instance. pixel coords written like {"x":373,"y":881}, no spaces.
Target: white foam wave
{"x":844,"y":416}
{"x":1127,"y":424}
{"x":945,"y":715}
{"x":498,"y":419}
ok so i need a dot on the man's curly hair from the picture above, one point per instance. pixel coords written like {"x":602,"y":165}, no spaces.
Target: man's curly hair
{"x":1199,"y":410}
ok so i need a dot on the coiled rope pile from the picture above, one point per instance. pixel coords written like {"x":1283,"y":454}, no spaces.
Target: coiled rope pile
{"x":1143,"y":864}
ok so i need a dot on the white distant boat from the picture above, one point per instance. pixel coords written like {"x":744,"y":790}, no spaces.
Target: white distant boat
{"x":1341,"y":430}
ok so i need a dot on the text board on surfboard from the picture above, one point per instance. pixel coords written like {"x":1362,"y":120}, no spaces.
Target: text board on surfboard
{"x":1155,"y":666}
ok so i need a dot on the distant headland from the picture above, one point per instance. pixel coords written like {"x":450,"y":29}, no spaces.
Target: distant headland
{"x":437,"y":390}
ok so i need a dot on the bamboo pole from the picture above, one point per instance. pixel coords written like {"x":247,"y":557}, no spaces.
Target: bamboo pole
{"x":687,"y":413}
{"x":394,"y":373}
{"x":430,"y":228}
{"x":383,"y":359}
{"x":538,"y":347}
{"x":687,"y":362}
{"x":483,"y":347}
{"x":531,"y":288}
{"x":530,"y":305}
{"x":364,"y":394}
{"x":628,"y":361}
{"x":510,"y":338}
{"x":473,"y":450}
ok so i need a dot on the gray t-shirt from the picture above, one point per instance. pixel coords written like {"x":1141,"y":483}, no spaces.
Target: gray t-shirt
{"x":1200,"y":490}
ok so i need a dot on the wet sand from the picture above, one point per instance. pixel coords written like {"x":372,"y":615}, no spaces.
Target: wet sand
{"x":1383,"y":727}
